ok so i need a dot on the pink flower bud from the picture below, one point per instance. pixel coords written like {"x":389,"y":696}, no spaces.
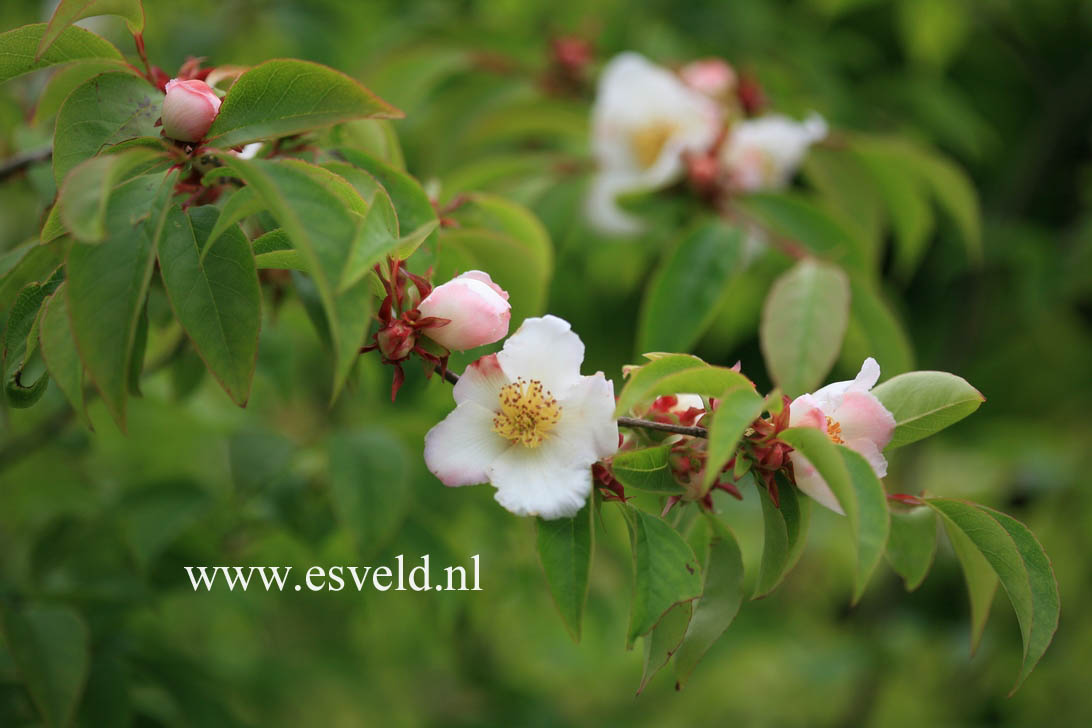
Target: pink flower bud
{"x":711,"y":76}
{"x":396,"y":340}
{"x":477,"y":308}
{"x":188,"y":110}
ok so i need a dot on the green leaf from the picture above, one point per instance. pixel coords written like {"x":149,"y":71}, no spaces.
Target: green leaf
{"x":803,"y":222}
{"x":785,"y":530}
{"x":107,"y":284}
{"x":803,"y":323}
{"x":136,"y":358}
{"x":735,"y":412}
{"x":375,"y":240}
{"x":848,"y":189}
{"x":926,"y":402}
{"x":30,"y":263}
{"x":674,"y":374}
{"x":69,"y":12}
{"x":241,"y":205}
{"x":664,"y":640}
{"x":565,"y":547}
{"x":504,"y":216}
{"x":20,"y":327}
{"x":665,"y":571}
{"x":107,"y":110}
{"x":274,"y":250}
{"x":409,"y":198}
{"x":646,"y":469}
{"x":682,"y":297}
{"x":979,"y":576}
{"x":49,"y":645}
{"x":18,"y":49}
{"x":321,"y":214}
{"x":67,"y":79}
{"x":509,"y":261}
{"x":859,"y":492}
{"x":369,"y":485}
{"x":86,"y":190}
{"x":912,"y":544}
{"x":283,"y":97}
{"x":59,"y":352}
{"x":20,"y":395}
{"x":874,"y":330}
{"x":721,"y":597}
{"x":217,"y":300}
{"x":1022,"y":567}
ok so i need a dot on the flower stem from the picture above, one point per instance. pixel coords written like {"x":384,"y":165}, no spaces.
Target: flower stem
{"x":632,"y":422}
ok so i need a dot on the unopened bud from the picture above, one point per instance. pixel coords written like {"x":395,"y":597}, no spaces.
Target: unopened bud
{"x":189,"y":109}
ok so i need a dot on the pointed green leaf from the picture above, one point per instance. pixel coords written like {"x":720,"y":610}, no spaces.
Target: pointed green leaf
{"x":664,"y":641}
{"x":721,"y":597}
{"x":803,"y":323}
{"x":65,"y":80}
{"x":665,"y":571}
{"x":86,"y":190}
{"x":218,"y":300}
{"x":241,"y":205}
{"x":912,"y":544}
{"x":410,"y":200}
{"x":283,"y":97}
{"x":785,"y":528}
{"x":735,"y":412}
{"x":926,"y":402}
{"x":646,"y":469}
{"x":18,"y":49}
{"x":59,"y":352}
{"x":675,"y":374}
{"x":682,"y":298}
{"x":1022,"y":567}
{"x":565,"y":547}
{"x":49,"y":646}
{"x":979,"y":576}
{"x":69,"y":12}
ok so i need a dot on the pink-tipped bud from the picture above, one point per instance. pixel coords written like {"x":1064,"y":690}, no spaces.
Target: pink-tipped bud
{"x":477,"y":308}
{"x":189,"y":109}
{"x":396,"y":340}
{"x":711,"y":76}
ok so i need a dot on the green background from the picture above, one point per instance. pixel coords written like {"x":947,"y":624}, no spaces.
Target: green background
{"x":105,"y":522}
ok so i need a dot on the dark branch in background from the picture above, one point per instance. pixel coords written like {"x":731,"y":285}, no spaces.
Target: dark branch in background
{"x":21,"y":161}
{"x":628,"y":421}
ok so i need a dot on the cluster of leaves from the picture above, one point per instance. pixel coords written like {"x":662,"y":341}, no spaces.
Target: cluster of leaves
{"x":682,"y":603}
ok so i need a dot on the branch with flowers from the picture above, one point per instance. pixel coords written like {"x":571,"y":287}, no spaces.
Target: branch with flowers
{"x":223,"y":184}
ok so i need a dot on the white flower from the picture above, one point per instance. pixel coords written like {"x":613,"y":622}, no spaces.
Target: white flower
{"x":643,"y":121}
{"x":765,"y":153}
{"x":850,"y":415}
{"x":529,"y":423}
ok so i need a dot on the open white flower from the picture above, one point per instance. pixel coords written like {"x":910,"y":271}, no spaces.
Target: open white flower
{"x":644,"y":119}
{"x":765,"y":153}
{"x":527,"y":422}
{"x":850,"y":415}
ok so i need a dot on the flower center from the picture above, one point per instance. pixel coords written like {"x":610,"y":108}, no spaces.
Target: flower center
{"x":834,"y":432}
{"x":527,"y":413}
{"x":648,"y":141}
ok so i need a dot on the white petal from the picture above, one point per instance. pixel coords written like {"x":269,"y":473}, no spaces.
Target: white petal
{"x":587,"y":422}
{"x":868,"y":376}
{"x":603,"y":210}
{"x":862,"y":416}
{"x":871,"y":453}
{"x":812,"y":484}
{"x":461,"y":448}
{"x":807,"y":411}
{"x":831,"y":395}
{"x":481,"y":382}
{"x":542,"y":481}
{"x":544,"y":349}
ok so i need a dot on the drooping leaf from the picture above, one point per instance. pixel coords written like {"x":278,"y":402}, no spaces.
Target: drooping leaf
{"x":59,"y":352}
{"x":912,"y":544}
{"x":32,"y":263}
{"x":646,"y":469}
{"x":735,"y":412}
{"x":107,"y":284}
{"x":847,"y":188}
{"x":87,"y":188}
{"x":283,"y":97}
{"x":69,"y":12}
{"x":859,"y":492}
{"x":106,"y":110}
{"x":20,"y":327}
{"x":241,"y":205}
{"x":369,"y":485}
{"x":979,"y":576}
{"x":664,"y":640}
{"x":924,"y":403}
{"x":66,"y":80}
{"x":565,"y":547}
{"x":665,"y":570}
{"x":785,"y":528}
{"x":49,"y":645}
{"x":216,"y":299}
{"x":721,"y":597}
{"x":1022,"y":567}
{"x":803,"y":323}
{"x":682,"y":298}
{"x":18,"y":49}
{"x":409,"y":198}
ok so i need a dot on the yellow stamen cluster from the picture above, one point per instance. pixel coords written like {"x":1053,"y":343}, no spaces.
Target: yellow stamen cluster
{"x":527,"y":413}
{"x":834,"y":432}
{"x":648,"y":142}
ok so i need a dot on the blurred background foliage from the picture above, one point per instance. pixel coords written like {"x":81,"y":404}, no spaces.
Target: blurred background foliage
{"x":105,"y":522}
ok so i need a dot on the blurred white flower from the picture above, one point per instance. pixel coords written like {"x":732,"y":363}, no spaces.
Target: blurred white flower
{"x":765,"y":153}
{"x":526,"y":421}
{"x":643,"y":121}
